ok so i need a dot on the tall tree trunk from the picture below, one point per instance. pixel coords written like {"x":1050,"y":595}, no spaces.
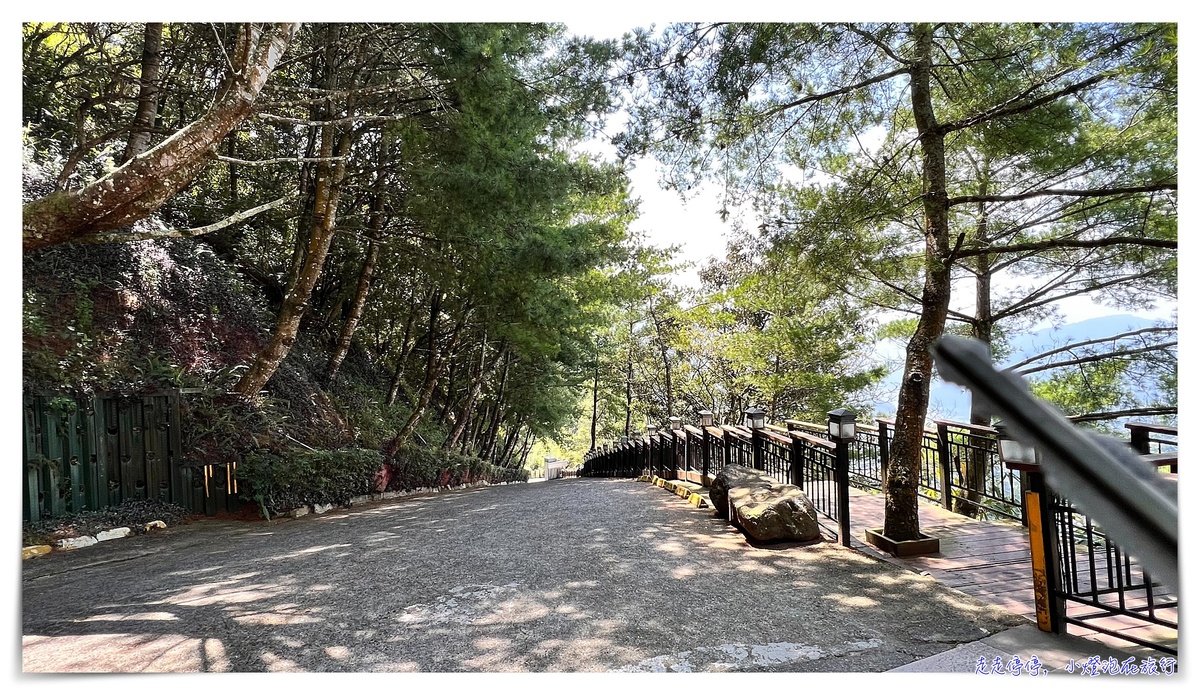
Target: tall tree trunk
{"x":375,"y":228}
{"x":485,"y":372}
{"x":981,"y":329}
{"x":666,"y":360}
{"x":510,"y":440}
{"x":595,"y":398}
{"x":449,"y":400}
{"x":433,"y":369}
{"x":901,"y":521}
{"x":328,"y":188}
{"x":493,"y":431}
{"x":629,"y":384}
{"x":405,"y":351}
{"x":523,"y":456}
{"x":147,"y":108}
{"x":140,"y":186}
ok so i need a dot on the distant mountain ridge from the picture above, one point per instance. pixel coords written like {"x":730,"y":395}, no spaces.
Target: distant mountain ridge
{"x":950,"y":402}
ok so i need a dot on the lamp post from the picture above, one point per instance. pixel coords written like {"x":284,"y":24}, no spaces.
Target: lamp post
{"x":841,"y":424}
{"x":756,"y":419}
{"x":706,"y":421}
{"x":676,"y":422}
{"x":1013,"y":453}
{"x":841,"y":432}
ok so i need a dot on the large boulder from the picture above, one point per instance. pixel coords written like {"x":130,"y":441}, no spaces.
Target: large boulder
{"x":777,"y":513}
{"x":732,"y":477}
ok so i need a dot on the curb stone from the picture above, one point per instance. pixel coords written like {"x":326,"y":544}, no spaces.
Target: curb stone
{"x":75,"y":542}
{"x":113,"y":534}
{"x":34,"y":551}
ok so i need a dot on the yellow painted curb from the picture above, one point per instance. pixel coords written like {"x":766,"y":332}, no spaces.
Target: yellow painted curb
{"x":34,"y":551}
{"x":696,"y":499}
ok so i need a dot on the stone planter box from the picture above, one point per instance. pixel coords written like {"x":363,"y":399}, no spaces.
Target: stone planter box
{"x":925,"y":545}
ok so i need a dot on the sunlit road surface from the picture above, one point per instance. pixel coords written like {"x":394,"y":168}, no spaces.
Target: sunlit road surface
{"x":565,"y":575}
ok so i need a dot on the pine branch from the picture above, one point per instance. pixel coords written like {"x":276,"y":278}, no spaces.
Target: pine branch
{"x":108,"y":237}
{"x":1063,"y":243}
{"x":1070,"y":192}
{"x":1072,"y":346}
{"x":1098,"y":357}
{"x":1131,"y":412}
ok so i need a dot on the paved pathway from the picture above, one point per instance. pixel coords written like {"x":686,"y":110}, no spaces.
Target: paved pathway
{"x":567,"y":575}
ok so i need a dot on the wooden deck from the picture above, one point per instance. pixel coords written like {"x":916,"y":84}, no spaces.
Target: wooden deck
{"x":988,"y":560}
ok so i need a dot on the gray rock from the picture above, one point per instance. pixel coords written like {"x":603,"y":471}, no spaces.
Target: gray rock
{"x":297,"y":512}
{"x":321,"y":508}
{"x":157,"y":523}
{"x":778,"y":513}
{"x":112,"y":534}
{"x":734,"y":477}
{"x":78,"y":542}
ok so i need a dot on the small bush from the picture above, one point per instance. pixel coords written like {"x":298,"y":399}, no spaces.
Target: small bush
{"x":279,"y":482}
{"x":417,"y":466}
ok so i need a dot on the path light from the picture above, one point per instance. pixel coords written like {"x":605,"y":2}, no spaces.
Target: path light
{"x":1011,"y":449}
{"x":676,"y":422}
{"x":756,"y":418}
{"x":624,"y":439}
{"x":706,"y":418}
{"x":841,"y":423}
{"x":651,"y":429}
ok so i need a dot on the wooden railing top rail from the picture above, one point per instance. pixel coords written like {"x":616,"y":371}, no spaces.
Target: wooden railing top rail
{"x":693,"y":430}
{"x":892,"y":421}
{"x":814,"y":440}
{"x":736,"y":431}
{"x":975,"y":429}
{"x":1165,"y":459}
{"x":776,"y":437}
{"x":715,"y":431}
{"x":1153,"y":427}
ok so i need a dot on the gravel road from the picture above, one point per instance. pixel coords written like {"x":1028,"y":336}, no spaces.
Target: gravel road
{"x":566,"y":575}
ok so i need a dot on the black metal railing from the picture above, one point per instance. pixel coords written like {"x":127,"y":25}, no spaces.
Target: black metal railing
{"x":1097,"y":580}
{"x":1090,"y":579}
{"x":795,"y":457}
{"x":978,"y":483}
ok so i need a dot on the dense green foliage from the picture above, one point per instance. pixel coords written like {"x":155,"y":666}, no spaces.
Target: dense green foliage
{"x":422,"y":274}
{"x":279,"y":482}
{"x":399,"y":248}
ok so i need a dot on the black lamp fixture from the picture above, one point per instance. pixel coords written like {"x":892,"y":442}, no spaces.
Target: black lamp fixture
{"x":706,"y":418}
{"x":1012,"y":450}
{"x":756,"y":418}
{"x":841,"y":423}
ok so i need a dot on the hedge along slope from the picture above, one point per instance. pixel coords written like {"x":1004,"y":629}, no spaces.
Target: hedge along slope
{"x":280,"y":482}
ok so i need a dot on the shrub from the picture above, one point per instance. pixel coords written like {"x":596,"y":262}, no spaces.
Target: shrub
{"x":417,"y":466}
{"x":279,"y":482}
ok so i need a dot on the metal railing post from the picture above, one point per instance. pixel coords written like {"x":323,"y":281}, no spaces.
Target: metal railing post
{"x":705,"y":454}
{"x":943,"y":449}
{"x":756,"y":450}
{"x":797,"y":461}
{"x":883,"y":453}
{"x":1043,"y":547}
{"x":842,"y":477}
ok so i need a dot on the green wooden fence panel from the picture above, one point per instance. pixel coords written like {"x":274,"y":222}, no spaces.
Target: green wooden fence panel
{"x":108,"y":450}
